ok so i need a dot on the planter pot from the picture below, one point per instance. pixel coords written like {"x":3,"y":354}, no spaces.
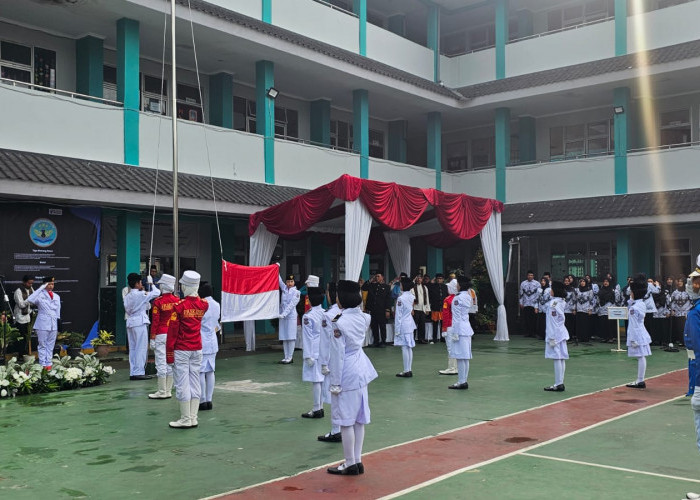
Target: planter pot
{"x":102,"y":351}
{"x":74,"y":352}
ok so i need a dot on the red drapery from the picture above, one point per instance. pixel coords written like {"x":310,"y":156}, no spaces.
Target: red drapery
{"x":394,"y":206}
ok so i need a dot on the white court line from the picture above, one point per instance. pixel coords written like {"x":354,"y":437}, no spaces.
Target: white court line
{"x":521,"y":451}
{"x":281,"y":478}
{"x":578,"y":462}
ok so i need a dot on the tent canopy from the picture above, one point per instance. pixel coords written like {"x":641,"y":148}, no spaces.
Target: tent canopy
{"x":352,"y":206}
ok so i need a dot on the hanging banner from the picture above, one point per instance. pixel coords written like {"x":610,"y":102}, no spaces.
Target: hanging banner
{"x":63,"y":242}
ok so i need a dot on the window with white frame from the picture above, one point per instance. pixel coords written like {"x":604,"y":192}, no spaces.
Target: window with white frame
{"x":483,"y":152}
{"x":457,"y":156}
{"x":580,"y":140}
{"x":189,"y":103}
{"x":579,"y":13}
{"x":109,"y":82}
{"x":244,"y":119}
{"x":341,"y":135}
{"x":154,"y":94}
{"x":28,"y":64}
{"x":376,"y":143}
{"x":675,"y":127}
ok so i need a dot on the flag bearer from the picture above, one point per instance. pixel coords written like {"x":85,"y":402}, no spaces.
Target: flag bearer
{"x":160,"y":315}
{"x":288,"y":318}
{"x":136,"y":306}
{"x":313,"y":323}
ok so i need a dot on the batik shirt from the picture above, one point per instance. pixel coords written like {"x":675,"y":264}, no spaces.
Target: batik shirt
{"x":528,"y":293}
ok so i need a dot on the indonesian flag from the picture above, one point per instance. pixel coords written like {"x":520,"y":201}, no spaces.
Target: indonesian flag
{"x":249,"y":293}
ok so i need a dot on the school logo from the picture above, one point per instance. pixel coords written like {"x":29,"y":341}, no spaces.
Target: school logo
{"x":43,"y":233}
{"x":324,"y":323}
{"x":306,"y":321}
{"x":398,"y":303}
{"x":455,"y":302}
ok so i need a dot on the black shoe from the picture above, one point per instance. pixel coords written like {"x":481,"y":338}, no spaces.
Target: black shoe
{"x":332,"y":438}
{"x":462,"y":387}
{"x":405,"y":374}
{"x":360,"y":467}
{"x":140,"y":377}
{"x":555,"y":388}
{"x":206,"y":405}
{"x":352,"y":470}
{"x":375,"y":345}
{"x":313,"y":414}
{"x":382,"y":344}
{"x":637,"y":385}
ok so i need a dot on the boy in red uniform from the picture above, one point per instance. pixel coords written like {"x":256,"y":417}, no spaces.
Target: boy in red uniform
{"x":160,"y":316}
{"x":184,"y":349}
{"x":447,"y":323}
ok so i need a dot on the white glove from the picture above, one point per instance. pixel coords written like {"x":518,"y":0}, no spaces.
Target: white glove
{"x":335,"y":389}
{"x":552,"y":343}
{"x":634,"y":343}
{"x":310,"y":362}
{"x":325,"y":370}
{"x":455,"y":337}
{"x":43,"y":286}
{"x":281,"y":316}
{"x":149,"y":279}
{"x":152,"y":344}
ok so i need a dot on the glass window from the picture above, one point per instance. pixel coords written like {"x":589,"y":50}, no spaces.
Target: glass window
{"x":151,"y":101}
{"x":454,"y":43}
{"x":11,"y":73}
{"x":109,"y":82}
{"x":376,"y":143}
{"x":239,"y":113}
{"x":45,"y":67}
{"x":573,"y":15}
{"x":574,"y":141}
{"x":456,"y":156}
{"x":15,"y":53}
{"x":675,"y":127}
{"x":597,"y":141}
{"x":483,"y":152}
{"x":556,"y":143}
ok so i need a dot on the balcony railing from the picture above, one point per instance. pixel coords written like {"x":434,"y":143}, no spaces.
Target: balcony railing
{"x":335,"y":7}
{"x":567,"y":28}
{"x":67,"y":93}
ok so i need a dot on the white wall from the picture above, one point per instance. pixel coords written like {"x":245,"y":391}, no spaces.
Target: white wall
{"x":468,"y":69}
{"x":664,"y":170}
{"x":306,"y":166}
{"x":663,"y":27}
{"x":409,"y":175}
{"x":474,"y":183}
{"x":561,"y":180}
{"x":233,"y":155}
{"x":394,"y":50}
{"x":252,"y":8}
{"x":46,"y":123}
{"x":574,"y":46}
{"x":319,"y":22}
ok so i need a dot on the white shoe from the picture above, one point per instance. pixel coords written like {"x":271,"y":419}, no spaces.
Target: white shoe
{"x":194,"y":410}
{"x":184,"y":422}
{"x":448,"y":371}
{"x":692,"y":495}
{"x":160,"y":393}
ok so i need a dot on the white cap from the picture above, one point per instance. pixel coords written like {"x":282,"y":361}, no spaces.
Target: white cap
{"x":312,"y":281}
{"x":697,"y":269}
{"x":452,"y":287}
{"x":167,"y":280}
{"x":190,"y":278}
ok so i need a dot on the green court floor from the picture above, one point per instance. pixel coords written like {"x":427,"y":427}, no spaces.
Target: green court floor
{"x":112,"y":442}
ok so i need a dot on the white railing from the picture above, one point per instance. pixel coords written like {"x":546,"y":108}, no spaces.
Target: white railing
{"x":568,"y":28}
{"x":335,"y":7}
{"x":68,"y":93}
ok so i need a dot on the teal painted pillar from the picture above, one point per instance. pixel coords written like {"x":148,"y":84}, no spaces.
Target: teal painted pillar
{"x":320,"y":122}
{"x":221,"y":100}
{"x":435,"y":263}
{"x":434,"y":38}
{"x":435,"y":146}
{"x":527,"y":139}
{"x":265,"y":114}
{"x":89,"y":72}
{"x":620,"y":27}
{"x":360,"y":132}
{"x":621,"y":98}
{"x":502,"y":151}
{"x":267,"y":11}
{"x":501,"y":37}
{"x":397,"y":141}
{"x":365,"y":268}
{"x":397,"y":24}
{"x":624,"y":257}
{"x":359,"y":7}
{"x":128,"y":261}
{"x":128,"y":85}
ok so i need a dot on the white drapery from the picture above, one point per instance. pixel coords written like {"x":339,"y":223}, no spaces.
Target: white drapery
{"x":399,"y":246}
{"x":491,"y":243}
{"x":262,"y":246}
{"x":358,"y":223}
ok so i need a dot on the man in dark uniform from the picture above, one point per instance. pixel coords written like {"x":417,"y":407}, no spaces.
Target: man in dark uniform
{"x":438,"y":293}
{"x":378,"y":306}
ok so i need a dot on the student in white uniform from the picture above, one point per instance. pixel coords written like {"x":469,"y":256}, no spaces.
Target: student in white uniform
{"x":46,"y":325}
{"x":556,"y":335}
{"x":210,"y":346}
{"x":351,"y":372}
{"x":334,"y":436}
{"x":462,"y":332}
{"x":288,"y":318}
{"x":404,"y":326}
{"x":312,"y":325}
{"x":638,"y":338}
{"x":136,"y":305}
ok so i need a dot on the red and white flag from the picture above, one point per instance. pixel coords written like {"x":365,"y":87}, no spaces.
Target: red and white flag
{"x":249,"y":293}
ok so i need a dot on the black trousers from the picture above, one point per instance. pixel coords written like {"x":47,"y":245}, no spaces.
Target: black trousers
{"x":678,"y":325}
{"x":660,"y":331}
{"x":570,"y":324}
{"x":378,"y":326}
{"x":541,"y":325}
{"x":419,"y":318}
{"x":529,"y":321}
{"x":583,"y":326}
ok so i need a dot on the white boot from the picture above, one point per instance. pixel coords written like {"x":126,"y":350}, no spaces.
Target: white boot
{"x":194,"y":410}
{"x":451,"y":367}
{"x":184,"y":422}
{"x":161,"y":393}
{"x":169,"y":385}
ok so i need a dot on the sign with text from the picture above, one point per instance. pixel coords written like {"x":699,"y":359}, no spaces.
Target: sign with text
{"x":617,"y":312}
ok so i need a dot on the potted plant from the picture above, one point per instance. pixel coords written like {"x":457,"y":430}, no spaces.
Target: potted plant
{"x":74,"y":341}
{"x":8,"y":334}
{"x":102,"y":342}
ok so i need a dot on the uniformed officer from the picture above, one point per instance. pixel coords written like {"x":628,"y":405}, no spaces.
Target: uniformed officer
{"x":313,"y":323}
{"x":160,"y":315}
{"x":136,"y":306}
{"x":378,"y":306}
{"x":46,"y":325}
{"x":288,"y":318}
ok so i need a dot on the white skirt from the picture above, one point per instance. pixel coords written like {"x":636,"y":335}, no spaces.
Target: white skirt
{"x":311,"y":373}
{"x":350,"y":407}
{"x":559,"y":351}
{"x":288,"y":329}
{"x":208,"y":363}
{"x":640,"y":350}
{"x":405,"y":339}
{"x":462,"y":349}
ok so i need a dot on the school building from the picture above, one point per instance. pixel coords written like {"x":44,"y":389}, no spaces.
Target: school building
{"x":582,"y":116}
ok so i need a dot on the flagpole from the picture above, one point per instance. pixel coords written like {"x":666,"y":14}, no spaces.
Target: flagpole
{"x":173,"y":112}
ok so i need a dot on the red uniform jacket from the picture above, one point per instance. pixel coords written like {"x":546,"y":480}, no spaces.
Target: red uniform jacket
{"x":447,"y":313}
{"x":160,"y":314}
{"x":185,"y":327}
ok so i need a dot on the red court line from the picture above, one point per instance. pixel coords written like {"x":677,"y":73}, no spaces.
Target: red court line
{"x":395,"y":469}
